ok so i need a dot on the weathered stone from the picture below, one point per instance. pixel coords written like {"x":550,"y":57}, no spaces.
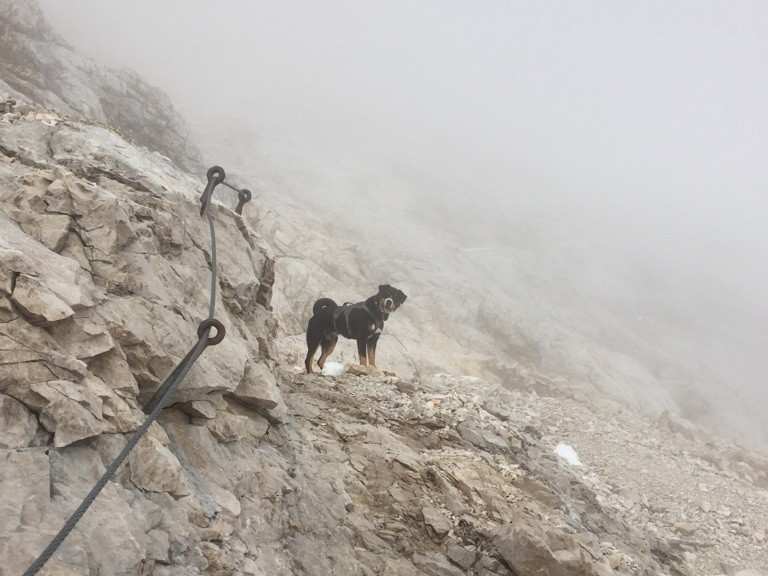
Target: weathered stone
{"x":340,"y":488}
{"x":114,"y":370}
{"x":115,"y":540}
{"x":573,"y":560}
{"x":199,"y":409}
{"x":437,"y":521}
{"x":400,"y":568}
{"x":18,"y":425}
{"x":226,"y":500}
{"x":20,"y":548}
{"x":228,"y":427}
{"x":50,"y":284}
{"x":157,"y":546}
{"x":461,"y":556}
{"x":684,"y":528}
{"x":51,"y":230}
{"x":83,"y":338}
{"x":69,"y":421}
{"x":7,"y":313}
{"x":154,"y":467}
{"x":360,"y":370}
{"x":434,"y":564}
{"x":258,"y":387}
{"x":37,"y":303}
{"x":25,"y":486}
{"x":483,"y":439}
{"x":218,"y":531}
{"x":524,"y":548}
{"x":250,"y":568}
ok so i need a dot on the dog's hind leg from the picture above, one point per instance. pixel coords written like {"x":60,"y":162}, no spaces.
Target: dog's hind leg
{"x":313,"y":342}
{"x":328,"y":343}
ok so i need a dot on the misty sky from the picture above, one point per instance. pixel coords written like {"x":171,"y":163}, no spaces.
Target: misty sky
{"x":644,"y":121}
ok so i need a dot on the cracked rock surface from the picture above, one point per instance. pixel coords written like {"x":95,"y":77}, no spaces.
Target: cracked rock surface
{"x":256,"y":469}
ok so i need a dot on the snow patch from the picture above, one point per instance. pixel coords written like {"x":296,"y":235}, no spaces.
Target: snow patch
{"x":567,"y":453}
{"x":333,"y":369}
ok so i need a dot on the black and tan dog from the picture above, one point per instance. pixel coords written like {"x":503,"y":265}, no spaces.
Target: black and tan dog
{"x":363,"y":322}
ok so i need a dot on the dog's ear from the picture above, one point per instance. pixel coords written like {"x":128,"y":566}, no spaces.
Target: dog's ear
{"x":383,"y":288}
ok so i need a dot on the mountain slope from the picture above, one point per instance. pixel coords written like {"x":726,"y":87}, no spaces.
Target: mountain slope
{"x":257,"y":469}
{"x":36,"y":65}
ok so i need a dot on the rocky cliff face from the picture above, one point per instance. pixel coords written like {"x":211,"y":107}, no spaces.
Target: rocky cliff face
{"x":37,"y":66}
{"x":104,"y":263}
{"x":257,"y":469}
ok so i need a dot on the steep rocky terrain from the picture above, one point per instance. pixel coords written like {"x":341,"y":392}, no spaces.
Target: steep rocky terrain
{"x":258,"y":469}
{"x":104,"y":279}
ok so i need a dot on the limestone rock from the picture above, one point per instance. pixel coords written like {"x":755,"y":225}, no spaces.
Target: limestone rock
{"x":485,"y":439}
{"x":360,"y":370}
{"x":18,"y":425}
{"x":158,"y":545}
{"x":436,"y":520}
{"x":199,"y":409}
{"x":256,"y":468}
{"x":461,"y":556}
{"x":435,"y":565}
{"x":258,"y":387}
{"x":37,"y":303}
{"x":61,"y":280}
{"x":684,"y":528}
{"x":226,"y":500}
{"x":400,"y":568}
{"x":22,"y":547}
{"x":50,"y":230}
{"x":65,"y":417}
{"x":83,"y":338}
{"x":524,"y":548}
{"x":228,"y":427}
{"x":154,"y":467}
{"x":25,"y":488}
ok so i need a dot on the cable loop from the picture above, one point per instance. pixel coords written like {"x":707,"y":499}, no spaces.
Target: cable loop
{"x":163,"y":395}
{"x":205,"y":327}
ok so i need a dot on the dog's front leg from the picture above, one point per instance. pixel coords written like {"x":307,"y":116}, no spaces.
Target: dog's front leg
{"x":362,"y":351}
{"x":372,"y":350}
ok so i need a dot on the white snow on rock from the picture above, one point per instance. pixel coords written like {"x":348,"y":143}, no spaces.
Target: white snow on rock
{"x":333,"y":369}
{"x":567,"y":453}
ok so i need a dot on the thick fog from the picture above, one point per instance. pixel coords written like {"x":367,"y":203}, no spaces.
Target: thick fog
{"x":621,"y":145}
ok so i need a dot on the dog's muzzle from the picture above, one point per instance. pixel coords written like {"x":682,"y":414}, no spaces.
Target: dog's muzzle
{"x":389,"y":305}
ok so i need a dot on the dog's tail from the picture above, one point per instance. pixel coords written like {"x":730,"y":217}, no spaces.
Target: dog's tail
{"x":324,"y":303}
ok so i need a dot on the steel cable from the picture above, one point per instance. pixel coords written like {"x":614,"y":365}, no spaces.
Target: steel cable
{"x":155,"y":406}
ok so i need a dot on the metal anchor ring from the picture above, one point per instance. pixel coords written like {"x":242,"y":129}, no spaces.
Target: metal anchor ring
{"x":215,"y":176}
{"x":244,"y":196}
{"x":205,"y":327}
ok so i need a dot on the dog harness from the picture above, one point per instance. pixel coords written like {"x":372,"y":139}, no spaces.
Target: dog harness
{"x":344,"y":312}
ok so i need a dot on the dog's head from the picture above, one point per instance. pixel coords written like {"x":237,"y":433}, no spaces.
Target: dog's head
{"x":390,"y":298}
